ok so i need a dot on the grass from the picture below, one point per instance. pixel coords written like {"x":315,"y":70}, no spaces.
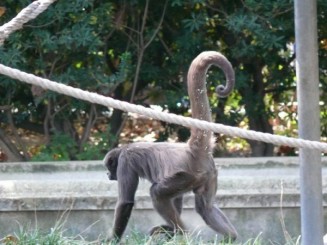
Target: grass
{"x":56,"y":236}
{"x":186,"y":239}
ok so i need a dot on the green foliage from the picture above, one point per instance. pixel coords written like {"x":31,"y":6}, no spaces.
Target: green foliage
{"x":195,"y":23}
{"x":95,"y":148}
{"x":61,"y":148}
{"x":65,"y":44}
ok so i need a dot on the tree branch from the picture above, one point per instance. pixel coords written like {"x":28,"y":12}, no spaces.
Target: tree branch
{"x":88,"y":126}
{"x":158,"y":27}
{"x":17,"y":137}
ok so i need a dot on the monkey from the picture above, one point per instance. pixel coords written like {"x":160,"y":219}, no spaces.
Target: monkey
{"x":174,"y":169}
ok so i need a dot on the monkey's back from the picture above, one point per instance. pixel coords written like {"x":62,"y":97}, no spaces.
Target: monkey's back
{"x":155,"y":161}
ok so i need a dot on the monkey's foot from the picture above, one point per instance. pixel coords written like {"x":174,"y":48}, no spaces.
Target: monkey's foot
{"x":110,"y":241}
{"x":162,"y":229}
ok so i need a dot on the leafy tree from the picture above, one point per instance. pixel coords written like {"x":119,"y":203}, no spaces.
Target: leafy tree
{"x":65,"y":44}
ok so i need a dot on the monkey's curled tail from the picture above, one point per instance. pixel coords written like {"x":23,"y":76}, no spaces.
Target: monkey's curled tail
{"x":202,"y":140}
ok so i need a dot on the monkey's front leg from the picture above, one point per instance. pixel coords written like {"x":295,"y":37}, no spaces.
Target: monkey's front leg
{"x":122,"y":214}
{"x":127,"y":184}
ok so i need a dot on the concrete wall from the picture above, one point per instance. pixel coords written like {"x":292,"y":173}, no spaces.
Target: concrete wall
{"x":255,"y":193}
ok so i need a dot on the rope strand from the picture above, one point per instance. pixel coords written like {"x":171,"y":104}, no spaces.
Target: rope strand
{"x":27,"y":14}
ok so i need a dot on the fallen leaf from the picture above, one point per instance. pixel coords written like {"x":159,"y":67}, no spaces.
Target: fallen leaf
{"x":10,"y":239}
{"x":2,"y":11}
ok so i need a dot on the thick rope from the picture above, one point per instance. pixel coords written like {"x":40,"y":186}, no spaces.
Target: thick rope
{"x":163,"y":116}
{"x":27,"y":14}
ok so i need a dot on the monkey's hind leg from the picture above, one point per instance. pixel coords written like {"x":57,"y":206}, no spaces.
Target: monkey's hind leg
{"x":178,"y":203}
{"x":167,"y":230}
{"x":166,"y":197}
{"x":212,"y":215}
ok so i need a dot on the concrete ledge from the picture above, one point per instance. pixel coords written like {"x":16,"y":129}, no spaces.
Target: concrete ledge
{"x":254,"y":192}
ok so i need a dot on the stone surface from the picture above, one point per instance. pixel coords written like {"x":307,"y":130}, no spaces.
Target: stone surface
{"x":257,"y":194}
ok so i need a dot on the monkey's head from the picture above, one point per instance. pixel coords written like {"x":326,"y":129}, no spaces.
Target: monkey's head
{"x":111,"y":162}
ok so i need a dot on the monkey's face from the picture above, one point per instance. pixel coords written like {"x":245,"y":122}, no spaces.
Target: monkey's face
{"x":112,"y":174}
{"x":111,"y":165}
{"x":111,"y":162}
